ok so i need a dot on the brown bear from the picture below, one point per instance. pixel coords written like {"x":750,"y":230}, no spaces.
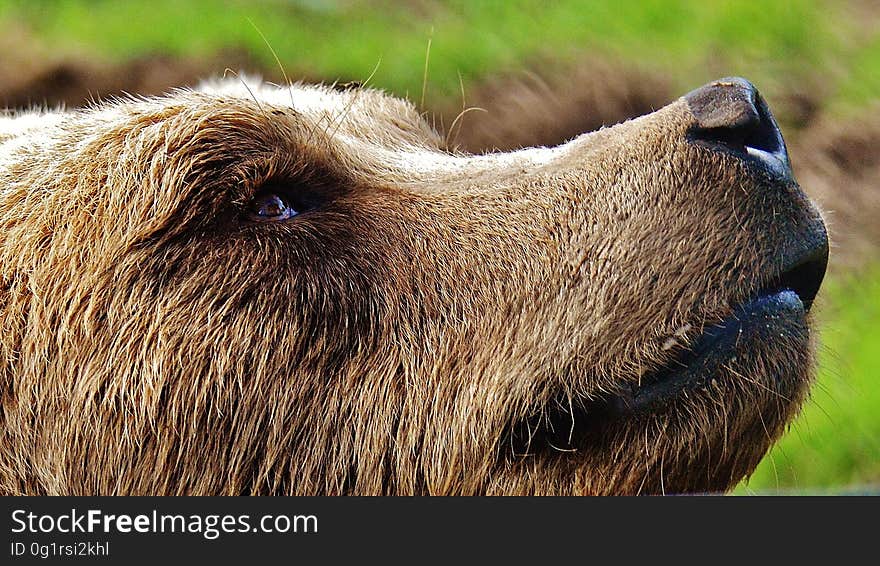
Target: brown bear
{"x":252,"y":289}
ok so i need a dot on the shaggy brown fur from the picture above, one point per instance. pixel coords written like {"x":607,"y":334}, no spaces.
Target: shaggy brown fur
{"x":395,"y":338}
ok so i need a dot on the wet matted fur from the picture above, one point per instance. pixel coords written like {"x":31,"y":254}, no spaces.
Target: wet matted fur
{"x":423,"y":326}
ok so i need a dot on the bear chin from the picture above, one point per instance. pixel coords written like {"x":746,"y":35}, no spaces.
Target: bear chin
{"x":753,"y":366}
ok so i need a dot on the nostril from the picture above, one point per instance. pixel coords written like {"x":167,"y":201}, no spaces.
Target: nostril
{"x":763,"y":133}
{"x":752,"y":128}
{"x":731,"y":116}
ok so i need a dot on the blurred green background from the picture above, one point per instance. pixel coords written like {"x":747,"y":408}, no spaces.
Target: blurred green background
{"x":818,"y":63}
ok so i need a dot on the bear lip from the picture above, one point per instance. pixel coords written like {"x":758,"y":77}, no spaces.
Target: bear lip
{"x":778,"y":307}
{"x":803,"y":275}
{"x":563,"y":423}
{"x":716,"y":345}
{"x":788,"y":295}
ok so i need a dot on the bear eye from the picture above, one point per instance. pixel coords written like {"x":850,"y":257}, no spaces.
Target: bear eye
{"x":270,"y":207}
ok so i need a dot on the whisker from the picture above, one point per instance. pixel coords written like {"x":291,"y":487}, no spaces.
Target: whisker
{"x":277,"y":59}
{"x":456,"y":122}
{"x":425,"y":73}
{"x":758,"y":383}
{"x":228,"y":71}
{"x":350,"y":105}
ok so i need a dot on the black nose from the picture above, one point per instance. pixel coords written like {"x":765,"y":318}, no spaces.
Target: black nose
{"x":731,"y":116}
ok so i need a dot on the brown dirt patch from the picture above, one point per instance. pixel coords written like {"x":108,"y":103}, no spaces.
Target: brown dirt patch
{"x":838,"y":164}
{"x":547,"y":107}
{"x":76,"y":83}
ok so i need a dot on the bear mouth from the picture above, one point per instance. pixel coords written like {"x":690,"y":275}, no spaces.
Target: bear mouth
{"x":777,"y":310}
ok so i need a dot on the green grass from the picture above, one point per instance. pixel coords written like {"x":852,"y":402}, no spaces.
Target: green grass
{"x":861,"y":85}
{"x":819,"y":44}
{"x":836,"y":440}
{"x":692,"y":41}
